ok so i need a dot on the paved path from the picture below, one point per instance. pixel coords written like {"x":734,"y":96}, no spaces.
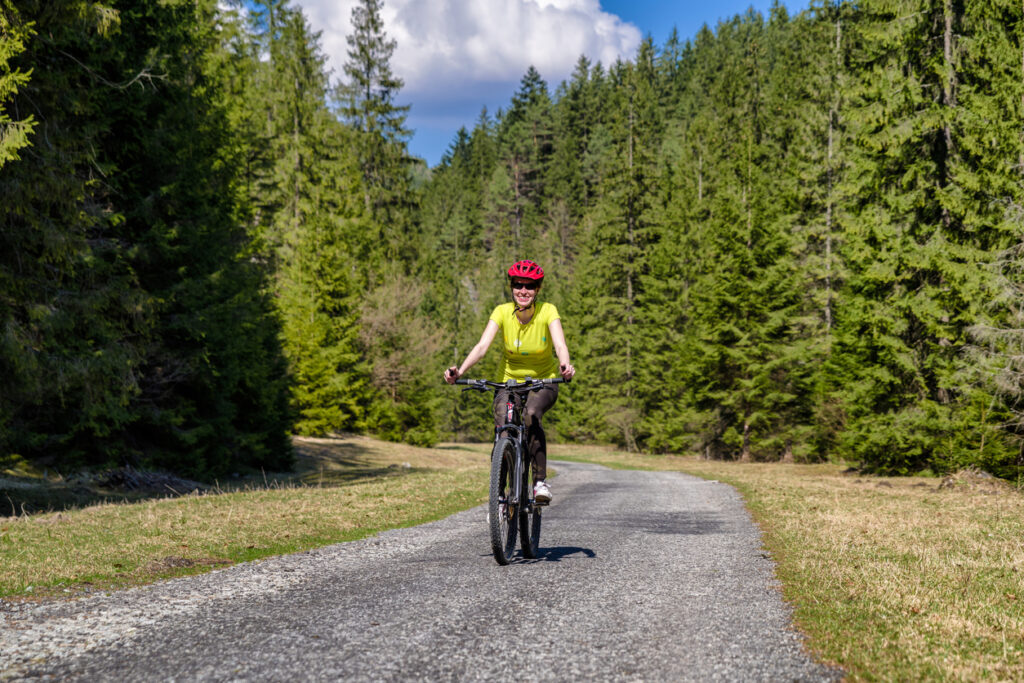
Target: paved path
{"x":643,"y":576}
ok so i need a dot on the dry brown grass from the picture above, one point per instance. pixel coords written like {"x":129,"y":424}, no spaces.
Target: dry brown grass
{"x":346,"y":488}
{"x":892,"y":578}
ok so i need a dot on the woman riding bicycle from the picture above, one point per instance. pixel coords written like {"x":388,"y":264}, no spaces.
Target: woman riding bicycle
{"x":534,"y":347}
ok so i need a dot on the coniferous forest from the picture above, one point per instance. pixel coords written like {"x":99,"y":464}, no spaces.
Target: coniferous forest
{"x":790,"y":237}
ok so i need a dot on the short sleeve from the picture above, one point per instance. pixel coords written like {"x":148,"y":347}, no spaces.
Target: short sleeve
{"x":496,"y":316}
{"x":552,"y":313}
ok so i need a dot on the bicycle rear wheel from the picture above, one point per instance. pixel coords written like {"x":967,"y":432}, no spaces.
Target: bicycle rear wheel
{"x":501,"y":509}
{"x":529,"y":520}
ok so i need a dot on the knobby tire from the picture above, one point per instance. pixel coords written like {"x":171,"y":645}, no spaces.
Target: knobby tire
{"x":529,"y":520}
{"x":502,"y":517}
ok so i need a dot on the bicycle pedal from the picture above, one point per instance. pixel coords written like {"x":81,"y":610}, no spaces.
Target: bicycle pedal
{"x":542,"y":503}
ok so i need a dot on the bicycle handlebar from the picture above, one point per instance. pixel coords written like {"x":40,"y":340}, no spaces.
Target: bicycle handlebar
{"x":528,"y":384}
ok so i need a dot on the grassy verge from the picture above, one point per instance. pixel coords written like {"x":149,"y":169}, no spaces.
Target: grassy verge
{"x":892,"y":578}
{"x":345,"y":489}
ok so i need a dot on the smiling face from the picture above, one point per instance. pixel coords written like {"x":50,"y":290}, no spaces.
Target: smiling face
{"x":524,"y":292}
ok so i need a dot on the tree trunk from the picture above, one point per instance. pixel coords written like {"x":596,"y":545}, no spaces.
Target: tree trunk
{"x":787,"y":455}
{"x":833,"y":114}
{"x":948,"y":96}
{"x":630,"y":229}
{"x":745,"y":455}
{"x":747,"y":191}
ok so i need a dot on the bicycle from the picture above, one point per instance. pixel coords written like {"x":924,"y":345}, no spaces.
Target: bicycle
{"x":511,"y":508}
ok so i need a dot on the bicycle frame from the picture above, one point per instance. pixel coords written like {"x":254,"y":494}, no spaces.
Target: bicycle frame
{"x":510,"y":508}
{"x":513,"y":426}
{"x":515,"y":429}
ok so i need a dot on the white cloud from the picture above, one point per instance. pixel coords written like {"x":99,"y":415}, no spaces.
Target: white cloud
{"x":452,"y":46}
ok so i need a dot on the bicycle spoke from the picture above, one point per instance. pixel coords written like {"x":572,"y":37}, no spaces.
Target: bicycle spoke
{"x":502,"y":509}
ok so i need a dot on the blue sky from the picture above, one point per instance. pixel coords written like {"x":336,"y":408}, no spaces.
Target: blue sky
{"x":657,"y":17}
{"x":458,"y":56}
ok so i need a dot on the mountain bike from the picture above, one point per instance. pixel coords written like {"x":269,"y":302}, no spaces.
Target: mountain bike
{"x":511,"y":508}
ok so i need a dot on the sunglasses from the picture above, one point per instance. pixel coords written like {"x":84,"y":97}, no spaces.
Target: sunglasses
{"x":524,"y":285}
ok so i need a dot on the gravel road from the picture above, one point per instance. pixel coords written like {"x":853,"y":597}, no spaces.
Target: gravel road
{"x":643,"y":576}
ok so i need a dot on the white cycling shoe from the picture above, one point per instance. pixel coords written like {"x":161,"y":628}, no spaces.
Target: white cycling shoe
{"x":541,"y":493}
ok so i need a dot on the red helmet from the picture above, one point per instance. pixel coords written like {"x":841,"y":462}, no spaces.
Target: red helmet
{"x":526,"y":269}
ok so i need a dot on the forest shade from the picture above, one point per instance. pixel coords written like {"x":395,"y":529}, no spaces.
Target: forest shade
{"x":790,"y":237}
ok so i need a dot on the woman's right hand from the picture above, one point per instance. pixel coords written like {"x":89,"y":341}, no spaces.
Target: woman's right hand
{"x":451,"y":374}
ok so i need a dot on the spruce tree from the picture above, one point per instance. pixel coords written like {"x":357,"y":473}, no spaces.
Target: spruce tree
{"x":135,"y":328}
{"x":367,"y":97}
{"x":818,"y":50}
{"x":14,"y":133}
{"x":70,"y":308}
{"x":613,"y":251}
{"x":912,"y":247}
{"x":524,"y":139}
{"x":303,"y":195}
{"x":724,"y":324}
{"x":572,"y":121}
{"x":990,"y":142}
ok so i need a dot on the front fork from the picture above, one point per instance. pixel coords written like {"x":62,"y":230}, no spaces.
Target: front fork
{"x":516,"y":477}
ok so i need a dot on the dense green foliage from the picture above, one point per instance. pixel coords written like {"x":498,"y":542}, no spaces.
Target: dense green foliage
{"x":14,"y":132}
{"x":133,"y":329}
{"x":789,"y":237}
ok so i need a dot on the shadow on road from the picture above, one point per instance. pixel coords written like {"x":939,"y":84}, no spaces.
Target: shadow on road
{"x":558,"y":554}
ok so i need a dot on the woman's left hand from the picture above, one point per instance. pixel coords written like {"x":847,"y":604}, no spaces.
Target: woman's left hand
{"x":567,"y":371}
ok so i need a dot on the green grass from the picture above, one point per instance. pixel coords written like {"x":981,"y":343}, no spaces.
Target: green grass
{"x":346,"y":489}
{"x":895,"y":579}
{"x":891,"y":578}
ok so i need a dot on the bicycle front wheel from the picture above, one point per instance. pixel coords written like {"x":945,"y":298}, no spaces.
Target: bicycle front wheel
{"x":501,"y":508}
{"x":529,"y":520}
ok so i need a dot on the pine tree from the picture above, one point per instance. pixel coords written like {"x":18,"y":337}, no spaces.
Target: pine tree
{"x":368,"y":104}
{"x":613,"y":250}
{"x":524,"y":140}
{"x":69,"y":306}
{"x":135,"y":329}
{"x":818,"y":51}
{"x":303,"y":192}
{"x":991,"y":100}
{"x":14,"y":133}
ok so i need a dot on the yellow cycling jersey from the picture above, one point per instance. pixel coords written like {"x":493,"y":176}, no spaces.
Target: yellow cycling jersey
{"x":528,"y":348}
